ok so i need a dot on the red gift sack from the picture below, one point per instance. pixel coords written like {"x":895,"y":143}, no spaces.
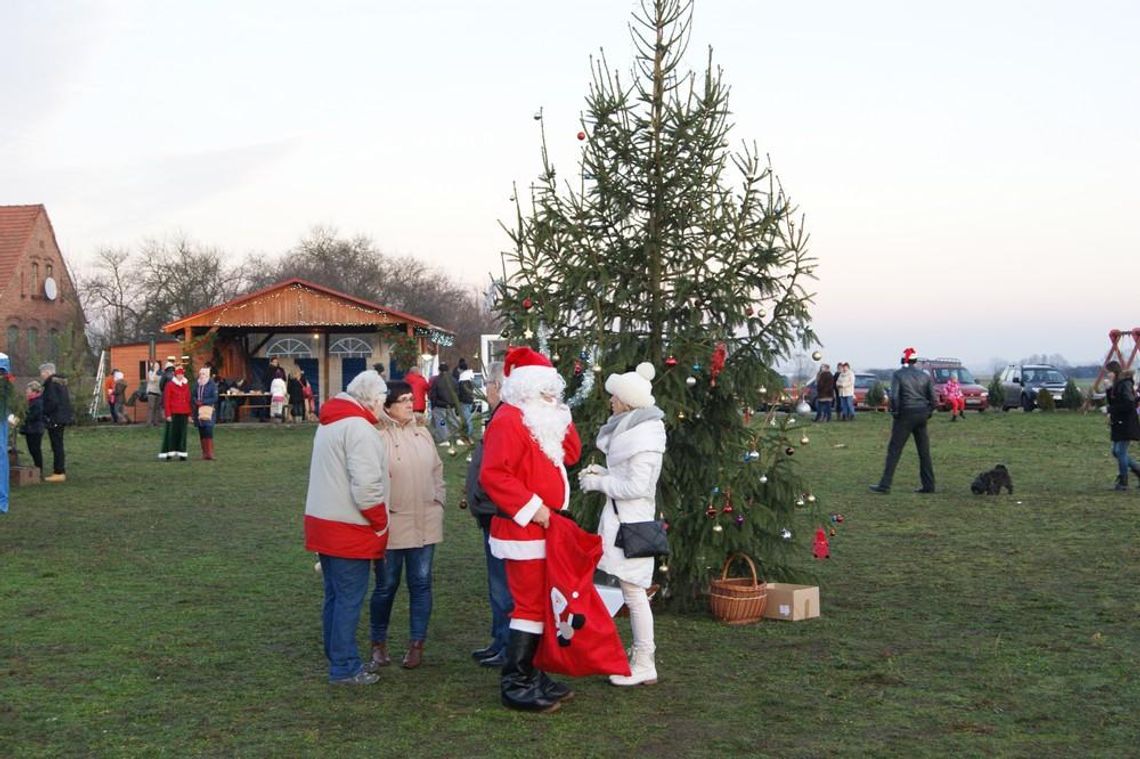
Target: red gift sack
{"x":580,"y":637}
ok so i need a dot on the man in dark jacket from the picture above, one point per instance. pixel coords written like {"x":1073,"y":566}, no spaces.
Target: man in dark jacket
{"x":482,"y":508}
{"x":912,"y":404}
{"x":443,"y":394}
{"x":57,"y":415}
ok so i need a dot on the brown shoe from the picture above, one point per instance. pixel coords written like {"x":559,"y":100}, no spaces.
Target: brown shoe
{"x":415,"y":655}
{"x":380,"y":657}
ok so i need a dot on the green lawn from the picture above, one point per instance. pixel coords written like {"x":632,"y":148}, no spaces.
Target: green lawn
{"x":169,"y":609}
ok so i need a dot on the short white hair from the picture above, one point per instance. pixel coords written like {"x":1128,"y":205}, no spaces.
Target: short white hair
{"x":368,"y":388}
{"x":49,"y":367}
{"x":494,"y":372}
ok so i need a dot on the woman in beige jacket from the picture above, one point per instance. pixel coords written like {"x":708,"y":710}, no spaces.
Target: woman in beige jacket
{"x":415,"y":511}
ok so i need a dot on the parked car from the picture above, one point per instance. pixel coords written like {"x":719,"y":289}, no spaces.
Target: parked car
{"x":941,"y":370}
{"x":783,"y":399}
{"x":1023,"y":382}
{"x":863,"y":383}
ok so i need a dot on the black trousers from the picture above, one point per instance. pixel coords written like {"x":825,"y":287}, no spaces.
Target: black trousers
{"x":55,"y":435}
{"x":35,"y":447}
{"x":905,"y":425}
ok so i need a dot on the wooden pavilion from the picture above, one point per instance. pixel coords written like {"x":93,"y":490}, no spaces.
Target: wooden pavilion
{"x":329,"y":335}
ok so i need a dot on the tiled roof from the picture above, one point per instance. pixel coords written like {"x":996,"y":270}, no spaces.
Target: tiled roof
{"x":16,"y":225}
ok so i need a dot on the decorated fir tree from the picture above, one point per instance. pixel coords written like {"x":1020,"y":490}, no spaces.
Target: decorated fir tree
{"x":669,"y":247}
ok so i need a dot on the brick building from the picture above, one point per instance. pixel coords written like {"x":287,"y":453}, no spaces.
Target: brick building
{"x":38,"y":303}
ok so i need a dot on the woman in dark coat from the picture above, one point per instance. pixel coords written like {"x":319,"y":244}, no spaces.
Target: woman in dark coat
{"x":1124,"y":424}
{"x":296,"y":395}
{"x":33,"y":426}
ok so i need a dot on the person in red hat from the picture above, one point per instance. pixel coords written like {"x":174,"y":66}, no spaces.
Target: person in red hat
{"x":176,"y":402}
{"x":526,"y":449}
{"x":912,"y":404}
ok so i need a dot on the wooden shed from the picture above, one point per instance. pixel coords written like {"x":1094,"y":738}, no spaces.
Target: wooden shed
{"x":329,"y":335}
{"x":131,"y":359}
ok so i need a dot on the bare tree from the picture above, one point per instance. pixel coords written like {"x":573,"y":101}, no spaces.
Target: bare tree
{"x":131,"y":295}
{"x":354,"y":265}
{"x":111,"y":297}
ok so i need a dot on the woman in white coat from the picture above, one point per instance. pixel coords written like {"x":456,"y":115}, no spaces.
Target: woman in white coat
{"x":633,"y":441}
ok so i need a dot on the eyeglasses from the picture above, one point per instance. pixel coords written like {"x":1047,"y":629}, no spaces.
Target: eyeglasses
{"x":405,"y":399}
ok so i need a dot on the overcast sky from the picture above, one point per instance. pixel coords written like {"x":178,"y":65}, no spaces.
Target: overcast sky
{"x":967,"y":170}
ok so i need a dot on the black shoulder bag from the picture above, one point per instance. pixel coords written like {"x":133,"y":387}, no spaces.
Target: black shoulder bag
{"x":640,"y":540}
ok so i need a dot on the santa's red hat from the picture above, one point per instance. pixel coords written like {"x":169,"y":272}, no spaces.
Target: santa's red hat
{"x":524,"y":356}
{"x":527,"y":374}
{"x":909,"y":356}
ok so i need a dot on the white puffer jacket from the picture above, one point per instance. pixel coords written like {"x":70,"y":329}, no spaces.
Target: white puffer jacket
{"x":634,"y":444}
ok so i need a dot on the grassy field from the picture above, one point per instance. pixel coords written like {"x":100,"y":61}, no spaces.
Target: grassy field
{"x":167,"y":609}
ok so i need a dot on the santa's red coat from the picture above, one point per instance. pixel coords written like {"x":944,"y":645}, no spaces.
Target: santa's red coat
{"x":519,"y":478}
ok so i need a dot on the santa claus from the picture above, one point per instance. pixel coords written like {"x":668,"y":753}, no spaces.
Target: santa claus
{"x":526,"y":449}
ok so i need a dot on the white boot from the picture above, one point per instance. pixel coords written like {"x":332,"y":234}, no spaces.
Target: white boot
{"x":642,"y":670}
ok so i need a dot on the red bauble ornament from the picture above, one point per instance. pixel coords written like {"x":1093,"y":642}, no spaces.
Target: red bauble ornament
{"x":789,"y":450}
{"x":728,"y":508}
{"x":581,"y":135}
{"x":577,"y":366}
{"x":670,"y":361}
{"x":527,"y":303}
{"x":820,"y":549}
{"x":717,"y":363}
{"x":710,"y":512}
{"x":748,"y":311}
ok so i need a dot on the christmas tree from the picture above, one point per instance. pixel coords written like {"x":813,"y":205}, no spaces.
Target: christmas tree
{"x":671,"y":248}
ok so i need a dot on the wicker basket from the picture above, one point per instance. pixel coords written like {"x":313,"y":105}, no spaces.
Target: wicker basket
{"x":738,"y":600}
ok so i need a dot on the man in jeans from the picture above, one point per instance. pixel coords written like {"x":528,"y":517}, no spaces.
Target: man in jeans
{"x":443,"y":393}
{"x":912,"y":404}
{"x":482,"y":508}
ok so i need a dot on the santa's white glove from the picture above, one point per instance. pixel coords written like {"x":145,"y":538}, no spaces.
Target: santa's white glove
{"x":590,"y":481}
{"x":596,"y":469}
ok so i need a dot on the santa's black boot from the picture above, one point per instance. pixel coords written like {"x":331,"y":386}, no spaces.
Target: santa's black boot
{"x":520,"y":684}
{"x":553,"y":689}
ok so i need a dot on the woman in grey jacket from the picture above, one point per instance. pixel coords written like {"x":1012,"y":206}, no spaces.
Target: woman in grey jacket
{"x":633,"y":441}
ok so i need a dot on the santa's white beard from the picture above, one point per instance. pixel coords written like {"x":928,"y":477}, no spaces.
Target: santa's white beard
{"x":547,"y":423}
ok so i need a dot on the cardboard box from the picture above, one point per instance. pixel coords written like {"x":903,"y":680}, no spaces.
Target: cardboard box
{"x":23,"y":475}
{"x":792,"y":602}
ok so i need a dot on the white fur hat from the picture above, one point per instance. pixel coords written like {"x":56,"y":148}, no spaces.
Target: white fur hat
{"x":634,"y":389}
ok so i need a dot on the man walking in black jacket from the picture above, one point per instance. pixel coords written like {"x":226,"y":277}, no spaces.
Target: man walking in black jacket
{"x":912,"y":404}
{"x":57,"y":415}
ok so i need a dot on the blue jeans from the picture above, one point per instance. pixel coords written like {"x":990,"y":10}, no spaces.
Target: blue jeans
{"x":846,"y":407}
{"x":346,"y":583}
{"x":1123,"y":462}
{"x":418,"y":561}
{"x":824,"y":410}
{"x":499,"y":594}
{"x":467,"y":412}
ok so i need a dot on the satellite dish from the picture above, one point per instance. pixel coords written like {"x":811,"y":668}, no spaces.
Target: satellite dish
{"x":50,"y":288}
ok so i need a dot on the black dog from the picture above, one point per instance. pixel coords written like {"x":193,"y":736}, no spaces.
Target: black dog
{"x":993,"y":481}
